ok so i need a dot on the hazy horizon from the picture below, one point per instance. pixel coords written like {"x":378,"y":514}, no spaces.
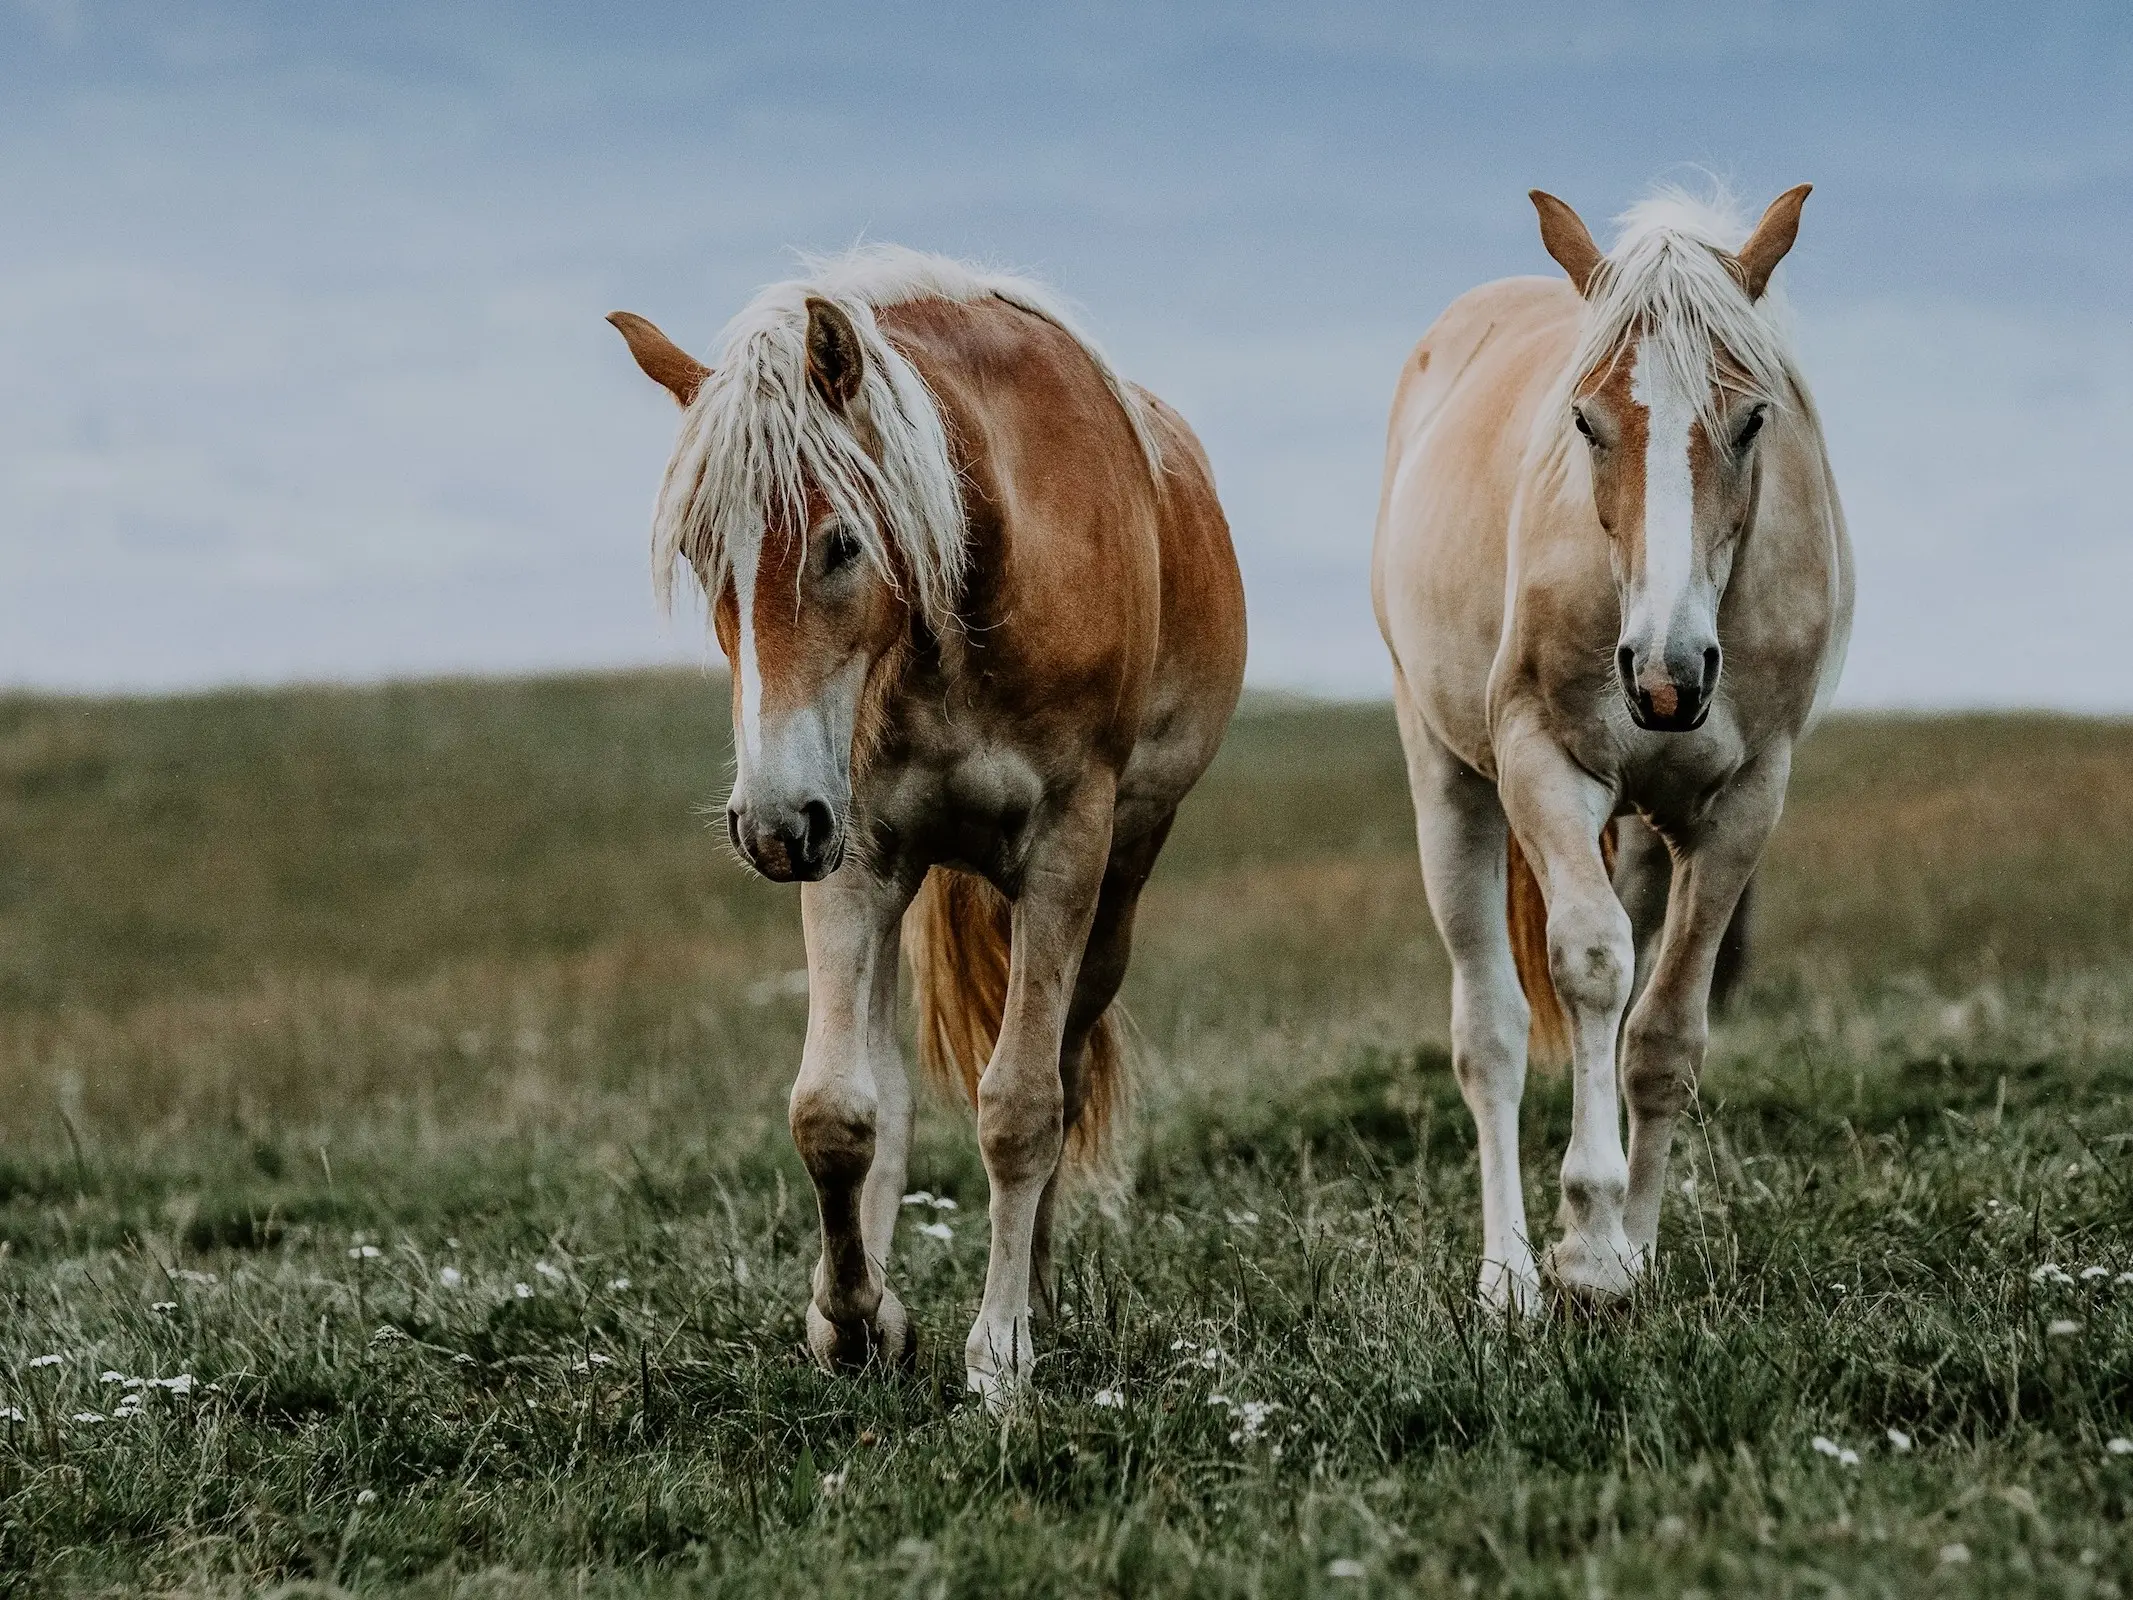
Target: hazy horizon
{"x":303,"y":375}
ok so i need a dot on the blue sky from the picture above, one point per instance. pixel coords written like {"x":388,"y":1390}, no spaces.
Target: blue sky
{"x":303,"y":372}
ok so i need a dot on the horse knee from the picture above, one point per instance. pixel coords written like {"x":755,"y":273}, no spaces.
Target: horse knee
{"x":1021,"y":1125}
{"x":1592,"y":958}
{"x":1660,"y":1065}
{"x":833,"y":1129}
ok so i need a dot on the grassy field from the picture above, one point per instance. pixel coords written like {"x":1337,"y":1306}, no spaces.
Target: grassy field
{"x":404,"y":1068}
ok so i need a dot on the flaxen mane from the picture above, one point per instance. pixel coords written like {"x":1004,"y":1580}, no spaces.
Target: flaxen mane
{"x":757,"y":432}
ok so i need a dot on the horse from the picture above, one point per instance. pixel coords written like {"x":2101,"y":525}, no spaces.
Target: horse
{"x":986,"y":631}
{"x":1615,"y":580}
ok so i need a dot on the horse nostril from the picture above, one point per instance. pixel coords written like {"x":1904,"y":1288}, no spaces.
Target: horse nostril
{"x":1626,"y":664}
{"x":733,"y":829}
{"x":820,"y":824}
{"x":1710,"y":669}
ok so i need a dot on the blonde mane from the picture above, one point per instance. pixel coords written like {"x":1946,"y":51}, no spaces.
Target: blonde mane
{"x":1667,"y":284}
{"x":757,"y":434}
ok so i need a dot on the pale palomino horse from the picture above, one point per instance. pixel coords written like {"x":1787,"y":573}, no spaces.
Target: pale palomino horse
{"x":1614,"y":577}
{"x":986,"y":630}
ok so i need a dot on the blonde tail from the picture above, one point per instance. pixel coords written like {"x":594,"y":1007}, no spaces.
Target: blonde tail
{"x":958,"y":934}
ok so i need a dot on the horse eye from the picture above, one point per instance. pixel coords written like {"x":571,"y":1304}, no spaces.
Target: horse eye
{"x":840,"y":549}
{"x":1584,"y":427}
{"x":1749,"y":429}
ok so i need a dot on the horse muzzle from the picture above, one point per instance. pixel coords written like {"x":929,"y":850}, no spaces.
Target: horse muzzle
{"x":788,"y":844}
{"x":1674,"y":698}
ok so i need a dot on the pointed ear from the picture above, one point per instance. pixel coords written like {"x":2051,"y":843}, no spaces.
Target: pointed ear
{"x":835,"y":361}
{"x":664,"y":361}
{"x":1773,"y":236}
{"x":1566,"y":238}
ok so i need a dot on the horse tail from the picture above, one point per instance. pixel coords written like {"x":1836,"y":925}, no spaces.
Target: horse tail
{"x":1548,"y":1036}
{"x":959,"y":933}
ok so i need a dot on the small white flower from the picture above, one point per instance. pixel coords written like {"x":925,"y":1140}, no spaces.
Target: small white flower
{"x":1688,"y":1187}
{"x":451,"y":1244}
{"x":2091,"y":1274}
{"x":2123,"y":1277}
{"x":618,"y":1284}
{"x":1899,"y":1439}
{"x":1241,"y":1219}
{"x":387,"y":1334}
{"x":46,"y":1361}
{"x":451,"y":1277}
{"x":523,"y":1290}
{"x":1847,"y":1458}
{"x":1210,"y":1357}
{"x":12,"y":1414}
{"x":1344,"y":1567}
{"x":2050,"y":1272}
{"x":464,"y":1359}
{"x":1109,"y":1399}
{"x":369,"y":1497}
{"x":364,"y":1252}
{"x":937,"y":1230}
{"x":1839,"y":1288}
{"x":162,"y":1306}
{"x":832,"y":1482}
{"x":2119,"y":1447}
{"x":740,"y":1270}
{"x":1824,"y":1446}
{"x":89,"y":1416}
{"x":942,"y":1203}
{"x":113,"y":1377}
{"x":2063,"y":1328}
{"x":181,"y":1384}
{"x":919,"y":1197}
{"x":549,"y":1270}
{"x":1175,"y":1344}
{"x":1954,"y":1555}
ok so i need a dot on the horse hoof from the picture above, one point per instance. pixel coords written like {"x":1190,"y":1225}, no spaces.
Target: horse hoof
{"x":1589,"y":1276}
{"x":850,"y":1346}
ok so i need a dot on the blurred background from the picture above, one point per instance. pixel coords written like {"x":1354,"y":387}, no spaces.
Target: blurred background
{"x":303,"y":374}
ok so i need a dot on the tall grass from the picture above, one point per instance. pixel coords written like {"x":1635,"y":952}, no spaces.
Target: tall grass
{"x":406,"y":1067}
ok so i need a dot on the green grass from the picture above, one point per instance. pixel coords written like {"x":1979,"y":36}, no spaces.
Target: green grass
{"x":455,"y":974}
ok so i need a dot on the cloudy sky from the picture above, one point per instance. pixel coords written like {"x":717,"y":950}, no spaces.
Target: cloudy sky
{"x":303,"y":373}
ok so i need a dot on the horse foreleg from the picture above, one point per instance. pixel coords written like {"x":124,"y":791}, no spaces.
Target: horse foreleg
{"x":1663,"y":1048}
{"x":1459,"y":825}
{"x":851,"y":1115}
{"x":1021,"y":1096}
{"x":1558,"y":810}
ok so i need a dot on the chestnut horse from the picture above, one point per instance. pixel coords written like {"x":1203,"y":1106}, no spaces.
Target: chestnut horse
{"x":1614,"y":577}
{"x":986,"y":631}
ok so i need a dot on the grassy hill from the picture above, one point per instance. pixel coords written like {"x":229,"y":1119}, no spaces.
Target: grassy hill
{"x":456,"y":974}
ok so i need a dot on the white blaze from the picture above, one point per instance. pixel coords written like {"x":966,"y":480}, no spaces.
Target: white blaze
{"x":744,"y":565}
{"x":1669,"y":498}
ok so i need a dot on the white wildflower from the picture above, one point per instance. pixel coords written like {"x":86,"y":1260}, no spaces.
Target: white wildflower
{"x":523,"y":1290}
{"x":46,"y":1361}
{"x":162,"y":1306}
{"x":1825,"y":1446}
{"x":369,"y":1497}
{"x":364,"y":1252}
{"x":1839,"y":1288}
{"x":89,"y":1416}
{"x":464,"y":1359}
{"x":2050,"y":1272}
{"x":2063,"y":1327}
{"x":1954,"y":1555}
{"x":2091,"y":1274}
{"x":1344,"y":1567}
{"x":181,"y":1384}
{"x":1241,"y":1219}
{"x":937,"y":1230}
{"x":919,"y":1197}
{"x":942,"y":1203}
{"x":387,"y":1334}
{"x":618,"y":1284}
{"x":549,"y":1270}
{"x":451,"y":1277}
{"x":2119,"y":1447}
{"x":1252,"y":1415}
{"x":115,"y":1377}
{"x":1847,"y":1458}
{"x":12,"y":1414}
{"x":1109,"y":1399}
{"x":1899,"y":1439}
{"x":832,"y":1482}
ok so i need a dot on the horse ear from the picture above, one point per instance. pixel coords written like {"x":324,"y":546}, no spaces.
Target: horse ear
{"x":835,"y":361}
{"x":1773,"y":236}
{"x":1564,"y":234}
{"x":664,"y":361}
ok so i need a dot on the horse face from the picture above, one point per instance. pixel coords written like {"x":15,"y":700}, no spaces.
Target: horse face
{"x":1673,"y":500}
{"x":803,"y":621}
